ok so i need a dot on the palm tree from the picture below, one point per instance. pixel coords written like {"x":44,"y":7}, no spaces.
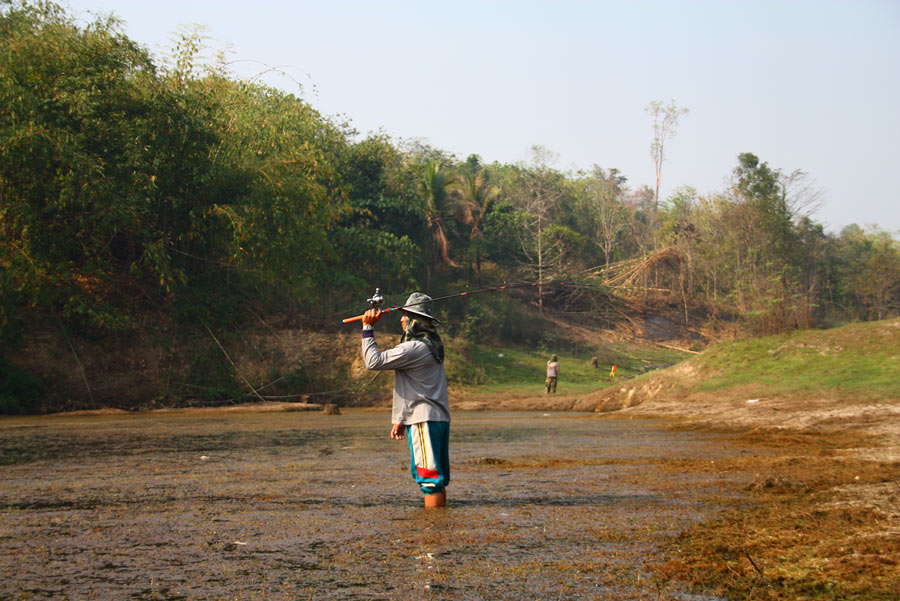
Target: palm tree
{"x":434,"y":182}
{"x":475,"y":195}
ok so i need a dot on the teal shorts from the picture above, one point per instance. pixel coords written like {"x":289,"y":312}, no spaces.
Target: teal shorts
{"x":429,"y":451}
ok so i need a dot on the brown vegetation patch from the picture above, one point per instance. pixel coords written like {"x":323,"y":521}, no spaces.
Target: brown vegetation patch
{"x":816,"y":523}
{"x":819,"y":512}
{"x":555,"y":462}
{"x":487,"y":461}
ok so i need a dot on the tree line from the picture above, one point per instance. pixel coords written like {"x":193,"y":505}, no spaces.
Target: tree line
{"x":129,"y":188}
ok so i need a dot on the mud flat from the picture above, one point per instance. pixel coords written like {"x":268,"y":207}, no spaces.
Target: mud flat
{"x":267,"y":505}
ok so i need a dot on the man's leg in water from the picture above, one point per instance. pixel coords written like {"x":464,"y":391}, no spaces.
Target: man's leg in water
{"x":430,"y":460}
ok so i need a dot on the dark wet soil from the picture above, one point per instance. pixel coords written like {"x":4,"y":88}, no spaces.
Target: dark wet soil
{"x":299,"y":506}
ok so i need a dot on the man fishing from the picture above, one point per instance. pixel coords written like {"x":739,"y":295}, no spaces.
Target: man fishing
{"x":420,"y":412}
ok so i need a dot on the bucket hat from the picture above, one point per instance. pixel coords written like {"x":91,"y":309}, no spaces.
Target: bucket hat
{"x":419,"y":304}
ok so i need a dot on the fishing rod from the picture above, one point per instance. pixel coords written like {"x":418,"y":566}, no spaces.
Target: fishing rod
{"x":377,"y":299}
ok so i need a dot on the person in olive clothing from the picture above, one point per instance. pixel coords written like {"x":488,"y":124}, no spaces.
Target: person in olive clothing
{"x":552,"y":374}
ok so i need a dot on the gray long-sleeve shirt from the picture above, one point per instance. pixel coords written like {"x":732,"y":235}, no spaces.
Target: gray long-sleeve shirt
{"x":420,"y":382}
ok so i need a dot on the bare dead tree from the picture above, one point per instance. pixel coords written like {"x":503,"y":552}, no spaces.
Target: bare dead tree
{"x":802,"y":196}
{"x":665,"y":122}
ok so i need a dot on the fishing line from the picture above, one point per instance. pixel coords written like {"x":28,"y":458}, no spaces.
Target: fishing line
{"x":377,"y":299}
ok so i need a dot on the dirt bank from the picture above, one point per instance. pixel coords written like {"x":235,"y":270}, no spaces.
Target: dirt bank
{"x":276,"y":361}
{"x":274,"y":358}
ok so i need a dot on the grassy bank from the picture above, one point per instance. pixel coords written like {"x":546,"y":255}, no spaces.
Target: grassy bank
{"x":857,"y":361}
{"x":522,"y":370}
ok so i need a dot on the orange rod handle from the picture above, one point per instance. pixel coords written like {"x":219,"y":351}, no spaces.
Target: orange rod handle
{"x":359,"y":317}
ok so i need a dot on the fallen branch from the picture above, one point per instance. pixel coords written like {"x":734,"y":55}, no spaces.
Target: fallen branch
{"x":753,"y":563}
{"x":273,"y":382}
{"x":677,"y":348}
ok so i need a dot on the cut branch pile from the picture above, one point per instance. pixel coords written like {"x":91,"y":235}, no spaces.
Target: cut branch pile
{"x":626,"y":274}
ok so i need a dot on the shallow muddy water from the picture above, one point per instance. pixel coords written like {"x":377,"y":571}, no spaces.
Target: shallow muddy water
{"x":271,"y":506}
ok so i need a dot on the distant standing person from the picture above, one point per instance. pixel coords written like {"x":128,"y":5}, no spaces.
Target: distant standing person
{"x":552,"y":373}
{"x":421,"y":412}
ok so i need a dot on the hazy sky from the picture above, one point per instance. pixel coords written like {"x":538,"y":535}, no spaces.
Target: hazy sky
{"x":811,"y":85}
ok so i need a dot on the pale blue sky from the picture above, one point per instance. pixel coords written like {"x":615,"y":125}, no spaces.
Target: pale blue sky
{"x":803,"y":84}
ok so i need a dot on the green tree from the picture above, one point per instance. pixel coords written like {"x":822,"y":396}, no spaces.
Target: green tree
{"x":677,"y":224}
{"x":764,"y":243}
{"x":89,"y":142}
{"x":385,"y":229}
{"x":868,"y":273}
{"x":816,"y":269}
{"x":434,"y":181}
{"x":277,"y":184}
{"x":502,"y":227}
{"x":603,"y":209}
{"x":538,"y":195}
{"x":880,"y":284}
{"x":472,"y":195}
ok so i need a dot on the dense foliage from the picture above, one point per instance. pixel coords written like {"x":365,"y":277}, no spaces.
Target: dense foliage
{"x":126,"y":187}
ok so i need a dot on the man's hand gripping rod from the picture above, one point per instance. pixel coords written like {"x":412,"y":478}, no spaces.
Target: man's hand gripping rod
{"x":375,"y":302}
